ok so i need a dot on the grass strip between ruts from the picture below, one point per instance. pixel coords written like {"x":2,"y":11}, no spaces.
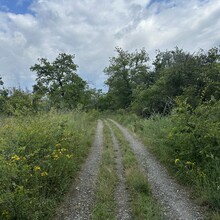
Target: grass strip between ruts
{"x":143,"y":204}
{"x":105,"y":205}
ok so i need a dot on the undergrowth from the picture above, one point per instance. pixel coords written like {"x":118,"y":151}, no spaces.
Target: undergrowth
{"x":188,"y":142}
{"x":39,"y":156}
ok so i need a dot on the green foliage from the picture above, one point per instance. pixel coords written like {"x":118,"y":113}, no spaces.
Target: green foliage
{"x":194,"y":142}
{"x":39,"y":157}
{"x":188,"y":142}
{"x":126,"y":72}
{"x":15,"y":102}
{"x":176,"y":73}
{"x":1,"y":82}
{"x":58,"y":80}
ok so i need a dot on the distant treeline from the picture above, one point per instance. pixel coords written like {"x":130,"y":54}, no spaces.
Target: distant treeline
{"x":134,"y":83}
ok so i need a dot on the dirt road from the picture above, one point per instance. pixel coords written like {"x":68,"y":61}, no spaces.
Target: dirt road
{"x":174,"y":200}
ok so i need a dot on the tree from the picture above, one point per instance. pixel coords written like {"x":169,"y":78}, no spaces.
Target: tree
{"x":126,"y":72}
{"x":191,"y":77}
{"x":59,"y":82}
{"x":1,"y":82}
{"x":2,"y":96}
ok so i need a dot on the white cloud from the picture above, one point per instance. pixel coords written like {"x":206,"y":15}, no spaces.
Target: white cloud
{"x":91,"y":29}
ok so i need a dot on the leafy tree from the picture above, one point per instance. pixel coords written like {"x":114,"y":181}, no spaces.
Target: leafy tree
{"x":59,"y":81}
{"x":126,"y":72}
{"x":2,"y":96}
{"x":1,"y":82}
{"x":194,"y":77}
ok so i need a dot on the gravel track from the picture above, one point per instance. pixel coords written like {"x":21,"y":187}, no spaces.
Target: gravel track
{"x":174,"y":199}
{"x":81,"y":196}
{"x":121,"y":193}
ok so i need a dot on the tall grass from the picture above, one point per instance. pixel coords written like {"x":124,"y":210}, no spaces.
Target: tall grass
{"x":39,"y":157}
{"x":187,"y":142}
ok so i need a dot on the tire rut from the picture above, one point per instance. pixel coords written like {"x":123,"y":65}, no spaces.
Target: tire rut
{"x":79,"y":200}
{"x":121,"y":193}
{"x":173,"y":198}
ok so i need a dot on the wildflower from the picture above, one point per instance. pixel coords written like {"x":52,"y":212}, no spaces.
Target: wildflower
{"x":177,"y":161}
{"x":37,"y":168}
{"x":44,"y":173}
{"x":15,"y":158}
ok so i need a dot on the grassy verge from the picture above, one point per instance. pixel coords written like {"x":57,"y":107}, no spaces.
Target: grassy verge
{"x":142,"y":202}
{"x":187,"y":144}
{"x":105,"y":206}
{"x":39,"y":157}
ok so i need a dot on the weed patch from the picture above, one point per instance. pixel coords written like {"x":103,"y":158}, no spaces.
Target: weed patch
{"x":39,"y":157}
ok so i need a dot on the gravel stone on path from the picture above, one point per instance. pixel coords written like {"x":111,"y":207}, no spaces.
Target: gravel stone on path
{"x":121,"y":193}
{"x":80,"y":198}
{"x":173,"y":198}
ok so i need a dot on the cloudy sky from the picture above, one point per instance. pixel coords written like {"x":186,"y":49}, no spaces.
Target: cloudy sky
{"x":91,"y":29}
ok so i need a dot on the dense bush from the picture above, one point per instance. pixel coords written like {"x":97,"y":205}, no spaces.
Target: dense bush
{"x":39,"y":156}
{"x":194,"y":142}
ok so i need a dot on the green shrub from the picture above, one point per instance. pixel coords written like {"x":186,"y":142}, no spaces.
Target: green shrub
{"x":194,"y":142}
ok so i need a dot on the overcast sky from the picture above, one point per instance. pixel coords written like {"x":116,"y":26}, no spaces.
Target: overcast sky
{"x":91,"y":29}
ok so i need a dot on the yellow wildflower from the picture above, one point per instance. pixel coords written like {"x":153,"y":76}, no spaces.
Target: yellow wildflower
{"x":15,"y":158}
{"x":44,"y":173}
{"x":37,"y":168}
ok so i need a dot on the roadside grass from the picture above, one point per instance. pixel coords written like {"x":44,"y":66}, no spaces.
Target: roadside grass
{"x":184,"y":145}
{"x":39,"y":157}
{"x":105,"y":205}
{"x":143,"y":205}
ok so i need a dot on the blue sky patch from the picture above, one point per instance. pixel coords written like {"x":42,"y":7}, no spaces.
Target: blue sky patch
{"x":15,"y":6}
